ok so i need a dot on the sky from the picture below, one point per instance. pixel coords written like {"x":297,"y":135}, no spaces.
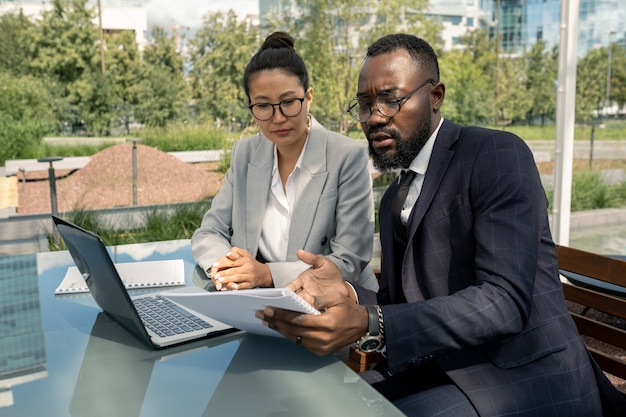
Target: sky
{"x":184,"y":13}
{"x":190,"y":12}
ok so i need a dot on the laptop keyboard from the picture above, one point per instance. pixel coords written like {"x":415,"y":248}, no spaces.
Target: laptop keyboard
{"x":165,"y":318}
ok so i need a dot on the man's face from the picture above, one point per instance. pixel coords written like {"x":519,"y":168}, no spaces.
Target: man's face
{"x":394,"y":142}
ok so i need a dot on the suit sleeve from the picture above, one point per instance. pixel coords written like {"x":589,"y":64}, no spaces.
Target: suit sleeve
{"x":212,"y":239}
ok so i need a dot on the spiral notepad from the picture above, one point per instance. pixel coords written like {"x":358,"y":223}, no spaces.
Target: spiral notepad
{"x":136,"y":275}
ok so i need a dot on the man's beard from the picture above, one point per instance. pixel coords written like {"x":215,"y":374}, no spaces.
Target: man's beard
{"x":406,"y":149}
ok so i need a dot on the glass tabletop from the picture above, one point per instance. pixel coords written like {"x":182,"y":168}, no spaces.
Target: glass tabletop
{"x":61,"y":356}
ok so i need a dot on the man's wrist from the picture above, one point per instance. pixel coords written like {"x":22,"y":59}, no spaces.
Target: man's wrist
{"x":373,"y":340}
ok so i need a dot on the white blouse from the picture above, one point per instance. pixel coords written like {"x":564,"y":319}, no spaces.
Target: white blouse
{"x":277,"y":218}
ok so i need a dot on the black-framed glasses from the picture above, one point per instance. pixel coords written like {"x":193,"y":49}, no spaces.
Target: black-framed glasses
{"x":289,"y":107}
{"x":361,"y":108}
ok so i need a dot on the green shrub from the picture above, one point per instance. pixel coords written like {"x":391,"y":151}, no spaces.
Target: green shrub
{"x":185,"y":137}
{"x":18,"y":138}
{"x":86,"y":219}
{"x":589,"y":191}
{"x":159,"y":225}
{"x":224,"y":162}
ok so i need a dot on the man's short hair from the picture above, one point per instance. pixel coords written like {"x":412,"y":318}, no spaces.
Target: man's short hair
{"x":420,"y":51}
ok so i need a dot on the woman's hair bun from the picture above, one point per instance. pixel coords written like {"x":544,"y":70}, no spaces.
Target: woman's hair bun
{"x":278,"y":40}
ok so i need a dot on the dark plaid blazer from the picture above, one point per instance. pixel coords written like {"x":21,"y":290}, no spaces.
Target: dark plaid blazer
{"x":476,"y":291}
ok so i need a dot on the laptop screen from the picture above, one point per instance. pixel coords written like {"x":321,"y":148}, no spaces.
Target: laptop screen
{"x":105,"y":285}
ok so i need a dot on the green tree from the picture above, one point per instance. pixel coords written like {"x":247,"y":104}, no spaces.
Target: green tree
{"x":468,"y":74}
{"x":618,"y":75}
{"x":162,"y":94}
{"x":25,"y":114}
{"x":468,"y":90}
{"x":219,"y":53}
{"x":25,"y":98}
{"x":540,"y":82}
{"x":395,"y":16}
{"x":123,"y":69}
{"x":327,"y":37}
{"x":25,"y":105}
{"x":513,"y":101}
{"x":333,"y":38}
{"x":65,"y":57}
{"x":589,"y":89}
{"x":16,"y":32}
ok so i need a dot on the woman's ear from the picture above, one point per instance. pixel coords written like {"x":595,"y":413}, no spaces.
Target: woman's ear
{"x":309,"y":98}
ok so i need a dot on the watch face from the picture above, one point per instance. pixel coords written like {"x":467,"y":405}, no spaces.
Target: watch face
{"x":369,"y":345}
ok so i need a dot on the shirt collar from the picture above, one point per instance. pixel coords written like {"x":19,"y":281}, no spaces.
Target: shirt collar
{"x":420,"y":162}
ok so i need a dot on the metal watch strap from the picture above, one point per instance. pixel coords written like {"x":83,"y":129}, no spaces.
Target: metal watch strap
{"x":381,"y":323}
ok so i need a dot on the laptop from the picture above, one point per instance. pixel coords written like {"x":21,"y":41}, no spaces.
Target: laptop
{"x":107,"y":289}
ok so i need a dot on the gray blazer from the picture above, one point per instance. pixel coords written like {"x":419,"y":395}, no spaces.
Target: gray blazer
{"x":333,"y":214}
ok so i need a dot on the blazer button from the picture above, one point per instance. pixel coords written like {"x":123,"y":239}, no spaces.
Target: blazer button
{"x":324,"y":241}
{"x":230,"y":231}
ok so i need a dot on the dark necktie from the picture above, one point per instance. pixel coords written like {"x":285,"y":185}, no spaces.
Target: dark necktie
{"x":400,"y":197}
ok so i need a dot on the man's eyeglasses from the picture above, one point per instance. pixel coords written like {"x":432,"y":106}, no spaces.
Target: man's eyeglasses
{"x":361,"y":108}
{"x":290,"y":107}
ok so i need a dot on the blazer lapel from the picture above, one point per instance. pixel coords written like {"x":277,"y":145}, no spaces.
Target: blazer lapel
{"x":440,"y":159}
{"x":258,"y":182}
{"x":313,"y":177}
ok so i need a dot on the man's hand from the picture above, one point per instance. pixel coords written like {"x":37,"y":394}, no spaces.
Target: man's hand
{"x":239,"y":270}
{"x":322,"y":278}
{"x":342,"y":323}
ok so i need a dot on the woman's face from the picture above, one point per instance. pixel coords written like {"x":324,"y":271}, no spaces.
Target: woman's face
{"x":276,"y":86}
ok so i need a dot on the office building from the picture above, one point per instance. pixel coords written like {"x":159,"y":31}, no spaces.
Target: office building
{"x":22,"y":344}
{"x":114,"y":19}
{"x":522,"y":23}
{"x":526,"y":22}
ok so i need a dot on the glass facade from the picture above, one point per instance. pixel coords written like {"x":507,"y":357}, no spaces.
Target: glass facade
{"x":21,"y":337}
{"x":22,"y":341}
{"x":526,"y":22}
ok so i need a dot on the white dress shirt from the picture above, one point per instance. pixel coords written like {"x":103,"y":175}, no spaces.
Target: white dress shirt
{"x":277,"y":218}
{"x":419,"y":165}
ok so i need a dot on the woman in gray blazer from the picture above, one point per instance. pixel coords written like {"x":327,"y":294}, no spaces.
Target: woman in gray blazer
{"x":294,"y":185}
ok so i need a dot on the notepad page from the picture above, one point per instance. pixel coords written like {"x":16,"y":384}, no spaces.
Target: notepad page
{"x":237,"y":308}
{"x":135,"y":275}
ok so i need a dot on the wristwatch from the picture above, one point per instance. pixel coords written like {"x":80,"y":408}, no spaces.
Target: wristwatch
{"x":373,"y":341}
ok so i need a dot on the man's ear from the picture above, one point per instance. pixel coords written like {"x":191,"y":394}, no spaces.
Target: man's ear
{"x":437,"y":94}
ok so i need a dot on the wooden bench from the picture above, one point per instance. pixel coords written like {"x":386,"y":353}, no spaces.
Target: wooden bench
{"x":584,"y":269}
{"x":578,"y":266}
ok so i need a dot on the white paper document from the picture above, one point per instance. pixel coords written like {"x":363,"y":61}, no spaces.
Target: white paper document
{"x":136,"y":275}
{"x":237,"y":308}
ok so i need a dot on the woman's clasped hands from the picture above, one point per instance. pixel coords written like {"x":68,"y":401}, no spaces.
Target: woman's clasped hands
{"x":240,"y":270}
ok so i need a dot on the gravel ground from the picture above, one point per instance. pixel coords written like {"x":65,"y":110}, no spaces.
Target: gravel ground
{"x":106,"y":181}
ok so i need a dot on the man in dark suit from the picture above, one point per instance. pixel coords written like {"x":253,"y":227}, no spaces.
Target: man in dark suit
{"x":470,"y":313}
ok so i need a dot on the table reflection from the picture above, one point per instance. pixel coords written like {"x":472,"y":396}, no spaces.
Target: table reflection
{"x":105,"y":387}
{"x":22,"y":345}
{"x":272,"y":377}
{"x":61,"y":356}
